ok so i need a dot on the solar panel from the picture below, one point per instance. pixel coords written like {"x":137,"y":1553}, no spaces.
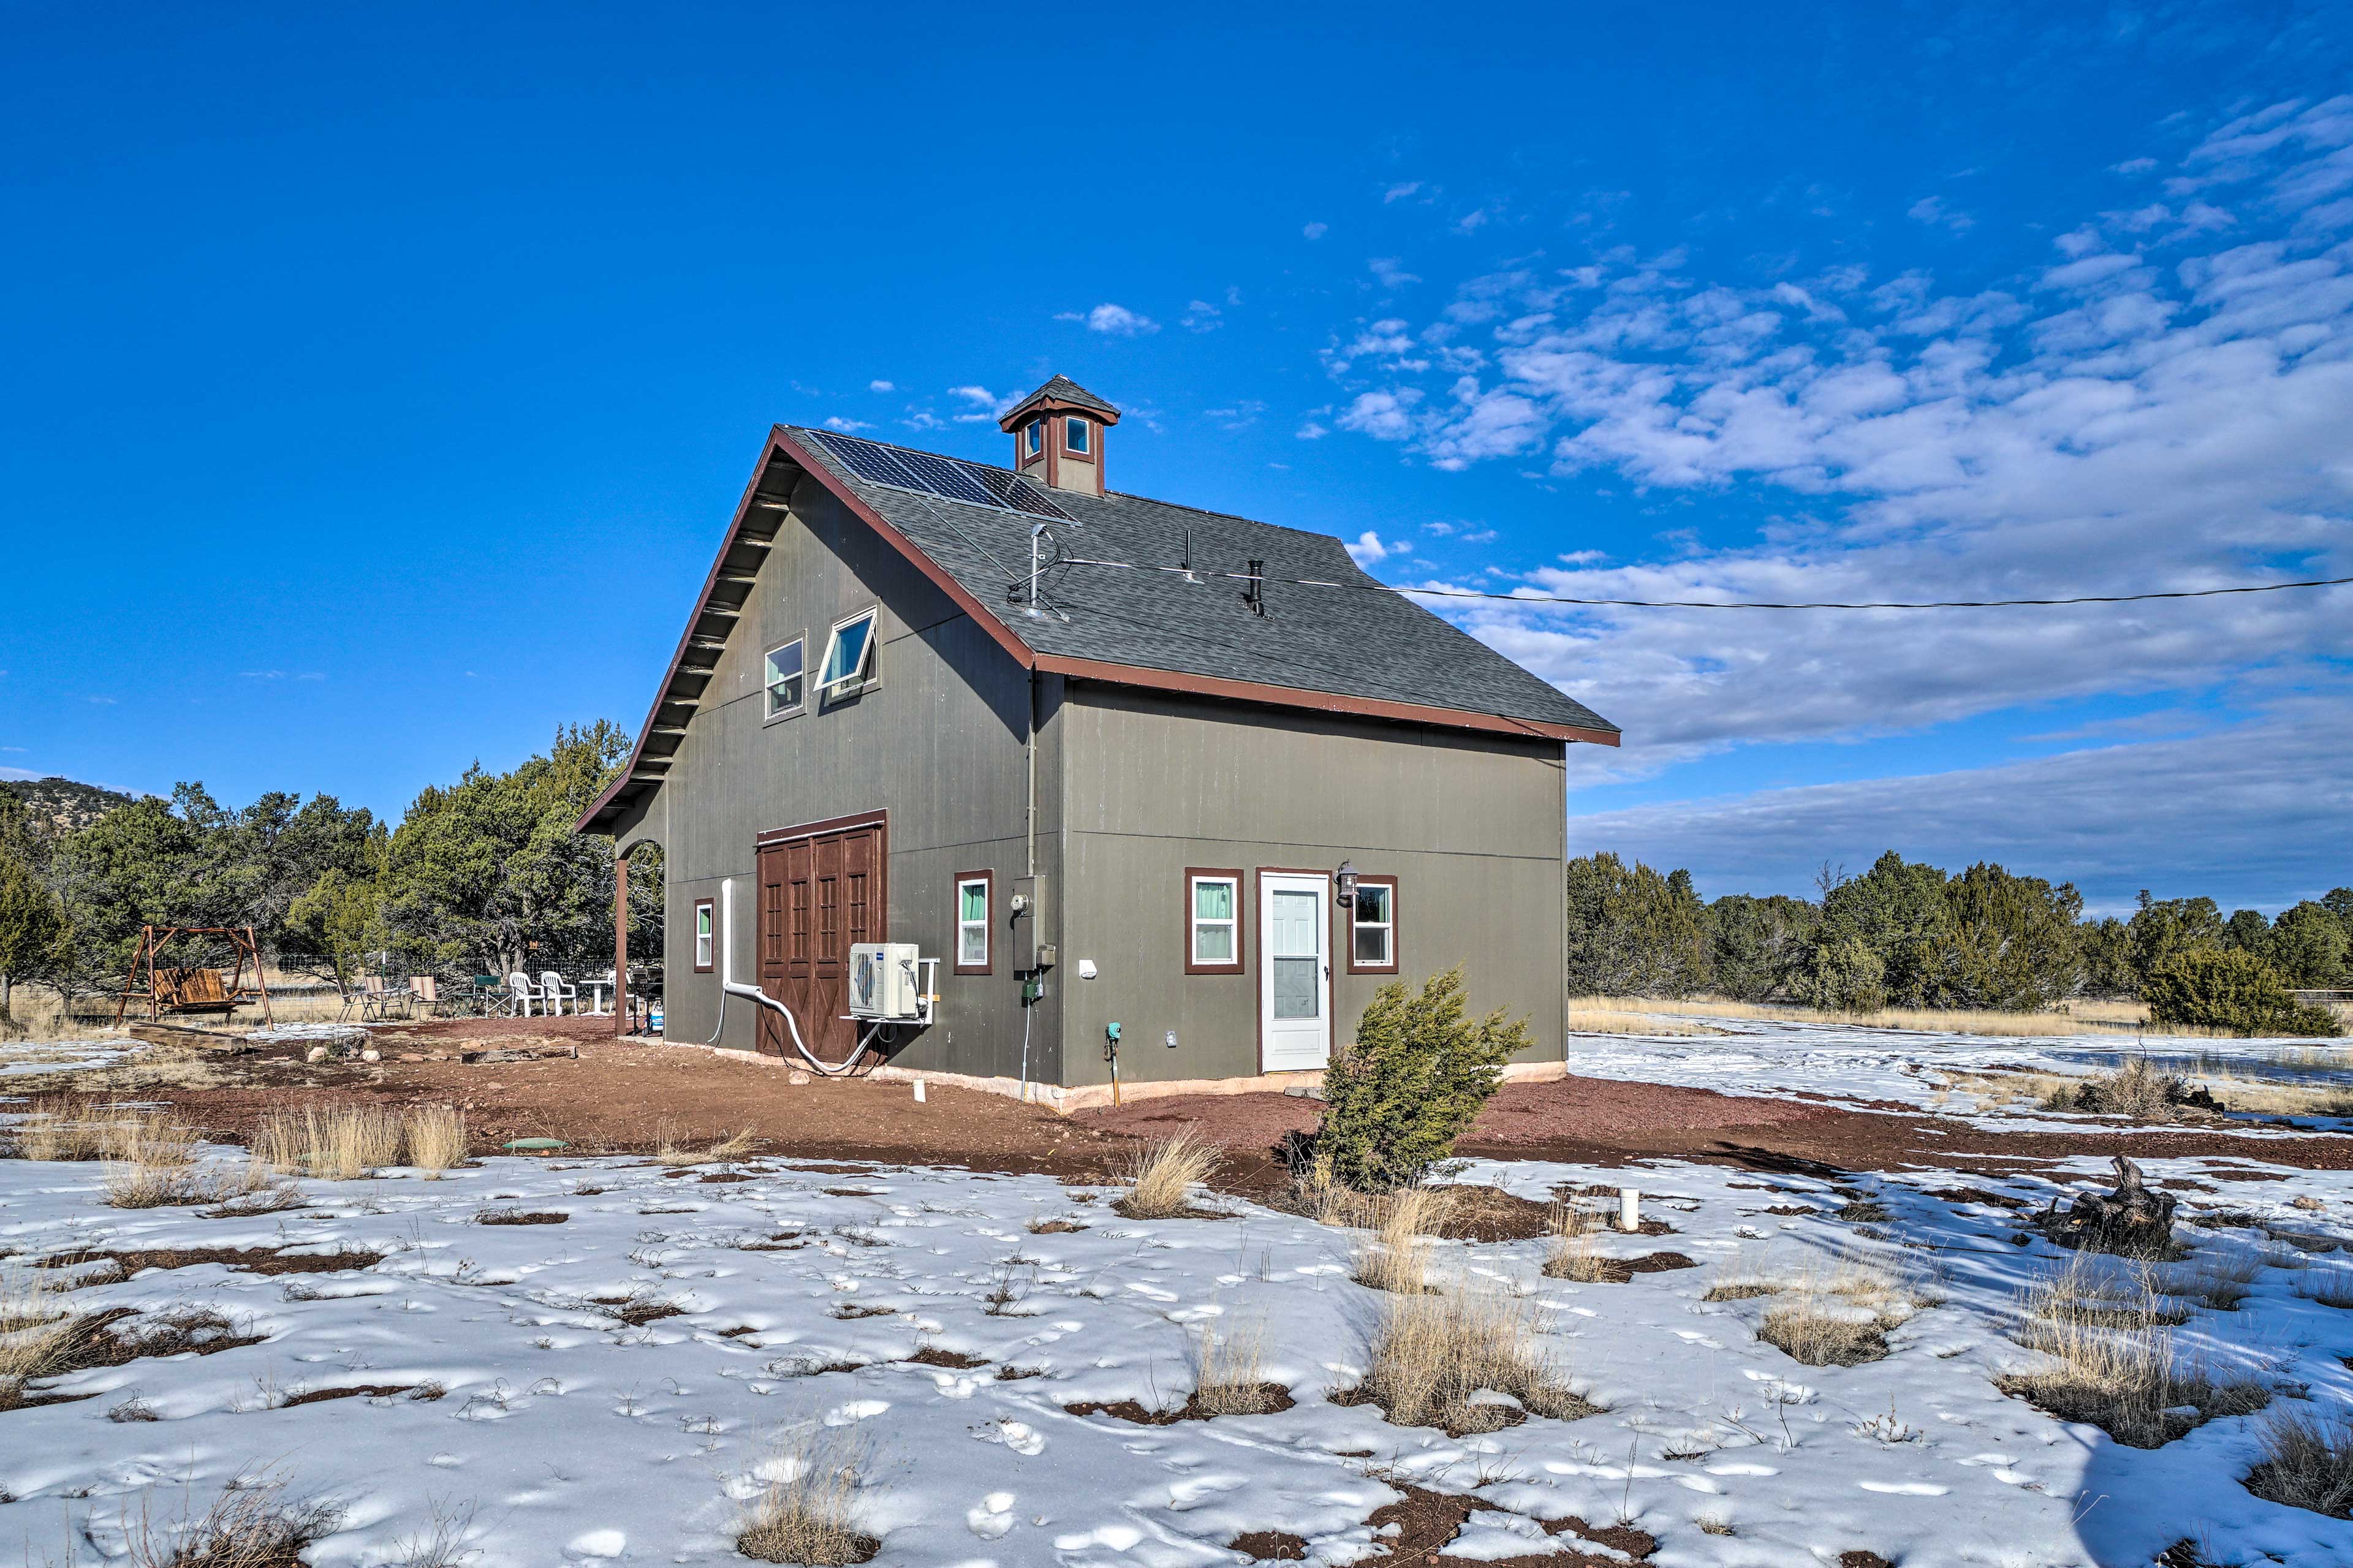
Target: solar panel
{"x":1015,"y":496}
{"x":929,"y":474}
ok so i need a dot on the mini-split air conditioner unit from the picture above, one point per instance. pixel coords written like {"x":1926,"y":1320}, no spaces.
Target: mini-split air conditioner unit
{"x":885,"y":982}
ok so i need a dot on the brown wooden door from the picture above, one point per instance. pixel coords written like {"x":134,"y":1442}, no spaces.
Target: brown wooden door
{"x":820,"y":892}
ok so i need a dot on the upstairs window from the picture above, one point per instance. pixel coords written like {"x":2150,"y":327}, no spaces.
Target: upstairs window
{"x":702,"y":936}
{"x":1373,"y":947}
{"x":1036,"y":434}
{"x":1213,"y":932}
{"x":784,"y":681}
{"x":971,"y":922}
{"x":1079,"y":435}
{"x":848,"y":657}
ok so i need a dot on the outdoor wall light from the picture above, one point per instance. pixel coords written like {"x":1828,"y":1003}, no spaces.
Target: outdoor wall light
{"x":1344,"y":878}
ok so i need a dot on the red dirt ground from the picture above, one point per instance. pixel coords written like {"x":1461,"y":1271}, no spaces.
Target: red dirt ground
{"x":626,"y":1096}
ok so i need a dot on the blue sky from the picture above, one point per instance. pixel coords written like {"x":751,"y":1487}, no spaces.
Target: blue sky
{"x":378,"y":383}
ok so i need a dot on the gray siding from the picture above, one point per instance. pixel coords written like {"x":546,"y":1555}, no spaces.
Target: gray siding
{"x":1471,"y":825}
{"x":938,"y":744}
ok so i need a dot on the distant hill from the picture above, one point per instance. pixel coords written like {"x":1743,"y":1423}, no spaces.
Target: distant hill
{"x":63,"y":805}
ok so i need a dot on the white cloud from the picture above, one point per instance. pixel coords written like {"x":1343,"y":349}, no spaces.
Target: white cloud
{"x":1932,"y":211}
{"x":1312,"y":431}
{"x":1399,"y":193}
{"x":103,"y":702}
{"x":982,"y":405}
{"x":1391,"y":272}
{"x":880,"y":386}
{"x":1316,"y":230}
{"x":836,"y":422}
{"x":1240,"y":416}
{"x":1200,"y":316}
{"x":2137,"y":420}
{"x":1369,"y":549}
{"x":1113,"y":321}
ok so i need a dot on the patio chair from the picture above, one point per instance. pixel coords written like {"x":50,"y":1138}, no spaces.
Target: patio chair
{"x":557,"y":991}
{"x":425,"y":990}
{"x":380,"y":1000}
{"x":520,"y":995}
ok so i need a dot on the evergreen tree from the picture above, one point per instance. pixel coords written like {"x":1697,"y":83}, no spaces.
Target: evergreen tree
{"x":1634,"y":932}
{"x":1759,"y":947}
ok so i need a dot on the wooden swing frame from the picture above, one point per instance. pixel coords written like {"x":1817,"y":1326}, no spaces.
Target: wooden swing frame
{"x":151,"y":945}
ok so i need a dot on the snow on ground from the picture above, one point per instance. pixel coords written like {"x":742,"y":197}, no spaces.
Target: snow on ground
{"x":1777,"y":1058}
{"x":563,"y":1434}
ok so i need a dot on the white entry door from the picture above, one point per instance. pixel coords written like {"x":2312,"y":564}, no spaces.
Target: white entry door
{"x":1294,"y":963}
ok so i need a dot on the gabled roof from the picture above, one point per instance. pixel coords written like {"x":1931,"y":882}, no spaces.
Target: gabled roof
{"x":1059,"y":389}
{"x":1352,"y":647}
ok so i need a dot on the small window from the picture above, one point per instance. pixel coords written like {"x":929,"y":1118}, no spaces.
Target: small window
{"x":1079,"y":435}
{"x":848,"y":657}
{"x":1213,"y":931}
{"x":702,"y":936}
{"x":1374,"y":921}
{"x":1037,"y":436}
{"x":971,"y":922}
{"x":784,"y":678}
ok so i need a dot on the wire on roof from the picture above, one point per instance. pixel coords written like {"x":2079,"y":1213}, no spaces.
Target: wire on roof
{"x":1256,"y":577}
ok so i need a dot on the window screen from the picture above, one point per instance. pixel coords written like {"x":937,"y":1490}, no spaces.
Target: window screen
{"x":784,"y":678}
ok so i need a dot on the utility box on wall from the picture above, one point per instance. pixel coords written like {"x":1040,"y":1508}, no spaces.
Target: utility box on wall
{"x":1033,"y":946}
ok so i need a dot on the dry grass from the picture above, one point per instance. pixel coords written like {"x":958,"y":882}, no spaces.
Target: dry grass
{"x":1397,"y":1256}
{"x":672,"y":1149}
{"x":2330,"y":1287}
{"x":435,"y":1137}
{"x":2110,"y":1360}
{"x":2265,"y":1098}
{"x":151,"y":1161}
{"x":251,"y":1525}
{"x":340,"y":1143}
{"x":1608,"y":1020}
{"x":810,"y":1515}
{"x":1433,"y":1357}
{"x":36,"y":1330}
{"x":1229,"y":1372}
{"x":1835,"y":1316}
{"x":1160,"y":1177}
{"x":62,"y":1128}
{"x":2307,"y":1462}
{"x":2136,"y":1089}
{"x":153,"y":1138}
{"x":1575,"y":1224}
{"x":2220,"y":1280}
{"x":2090,"y":1292}
{"x":2081,"y":1018}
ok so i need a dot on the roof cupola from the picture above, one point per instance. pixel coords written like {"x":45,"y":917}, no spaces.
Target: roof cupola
{"x":1058,"y":436}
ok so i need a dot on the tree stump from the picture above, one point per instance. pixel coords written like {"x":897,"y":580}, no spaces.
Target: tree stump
{"x":2132,"y":1219}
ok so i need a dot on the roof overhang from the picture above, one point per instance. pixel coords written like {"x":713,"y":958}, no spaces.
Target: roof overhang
{"x":727,"y":589}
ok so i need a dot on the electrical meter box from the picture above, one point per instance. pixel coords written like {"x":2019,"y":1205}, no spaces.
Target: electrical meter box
{"x":884,"y":980}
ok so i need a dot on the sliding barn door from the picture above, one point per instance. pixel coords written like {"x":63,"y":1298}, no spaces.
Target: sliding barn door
{"x":820,"y":891}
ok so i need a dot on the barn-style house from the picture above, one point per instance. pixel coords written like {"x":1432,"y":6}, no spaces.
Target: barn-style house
{"x":1148,"y":783}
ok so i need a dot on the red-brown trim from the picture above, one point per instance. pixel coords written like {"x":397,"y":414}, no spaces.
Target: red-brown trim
{"x":1392,"y":965}
{"x":695,"y":936}
{"x":987,"y":878}
{"x":1240,"y":964}
{"x":830,"y":825}
{"x":1257,"y":981}
{"x":1323,"y":701}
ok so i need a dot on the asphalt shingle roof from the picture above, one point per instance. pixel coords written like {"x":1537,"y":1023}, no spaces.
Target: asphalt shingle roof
{"x":1068,"y":391}
{"x":1346,"y":640}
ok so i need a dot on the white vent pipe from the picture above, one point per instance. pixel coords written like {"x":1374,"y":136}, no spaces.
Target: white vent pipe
{"x":730,"y":986}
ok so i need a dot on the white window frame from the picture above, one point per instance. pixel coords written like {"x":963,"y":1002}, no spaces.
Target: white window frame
{"x":1388,"y":962}
{"x":768,"y":681}
{"x":1076,"y":424}
{"x":704,"y":954}
{"x":968,"y":927}
{"x":859,"y":677}
{"x":1194,"y":924}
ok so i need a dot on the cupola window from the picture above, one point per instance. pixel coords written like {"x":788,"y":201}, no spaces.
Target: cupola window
{"x":1079,"y":435}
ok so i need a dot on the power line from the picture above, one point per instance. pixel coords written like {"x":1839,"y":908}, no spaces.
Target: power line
{"x":1197,"y":573}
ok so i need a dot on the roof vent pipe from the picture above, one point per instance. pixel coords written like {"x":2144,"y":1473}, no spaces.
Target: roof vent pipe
{"x":1255,"y":595}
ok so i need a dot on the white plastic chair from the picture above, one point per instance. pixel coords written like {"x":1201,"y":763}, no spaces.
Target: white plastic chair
{"x":521,"y":996}
{"x":554,"y":991}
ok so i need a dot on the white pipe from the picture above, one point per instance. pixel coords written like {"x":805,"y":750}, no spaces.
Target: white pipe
{"x":730,"y":986}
